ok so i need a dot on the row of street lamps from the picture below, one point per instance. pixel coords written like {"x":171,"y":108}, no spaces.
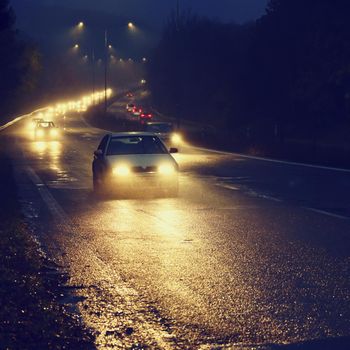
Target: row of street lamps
{"x":107,"y":46}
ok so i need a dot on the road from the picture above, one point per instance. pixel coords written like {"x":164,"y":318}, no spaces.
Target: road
{"x":252,"y":253}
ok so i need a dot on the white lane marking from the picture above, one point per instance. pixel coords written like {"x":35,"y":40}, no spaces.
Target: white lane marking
{"x":270,"y":198}
{"x":279,"y":200}
{"x":272,"y":160}
{"x":229,"y":187}
{"x":67,"y":186}
{"x":263,"y":196}
{"x":323,"y":212}
{"x":56,"y":210}
{"x":17,"y":119}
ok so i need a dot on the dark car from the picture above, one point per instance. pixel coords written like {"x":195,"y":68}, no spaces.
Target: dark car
{"x":166,"y":132}
{"x":145,"y":116}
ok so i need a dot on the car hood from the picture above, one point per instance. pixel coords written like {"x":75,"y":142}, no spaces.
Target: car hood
{"x":143,"y":160}
{"x":164,"y":135}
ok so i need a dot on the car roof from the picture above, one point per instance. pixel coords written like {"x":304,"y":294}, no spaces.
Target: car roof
{"x":159,"y":123}
{"x":45,"y":122}
{"x":133,"y":133}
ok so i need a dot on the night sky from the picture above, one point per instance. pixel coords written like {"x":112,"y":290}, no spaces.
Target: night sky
{"x":48,"y":22}
{"x":154,"y":12}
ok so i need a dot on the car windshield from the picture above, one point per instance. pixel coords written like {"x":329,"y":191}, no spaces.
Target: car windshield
{"x":159,"y":128}
{"x":46,"y":125}
{"x":136,"y":145}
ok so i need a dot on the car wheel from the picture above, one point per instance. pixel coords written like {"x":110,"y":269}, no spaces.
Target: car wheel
{"x":97,"y":185}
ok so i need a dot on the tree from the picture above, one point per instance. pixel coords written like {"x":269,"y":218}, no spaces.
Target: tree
{"x":19,"y":64}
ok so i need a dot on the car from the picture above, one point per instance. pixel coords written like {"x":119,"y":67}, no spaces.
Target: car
{"x":165,"y":131}
{"x":130,"y":161}
{"x":130,"y":107}
{"x":129,"y":95}
{"x":136,"y":111}
{"x":46,"y":130}
{"x":32,"y":124}
{"x":37,"y":120}
{"x":145,"y":116}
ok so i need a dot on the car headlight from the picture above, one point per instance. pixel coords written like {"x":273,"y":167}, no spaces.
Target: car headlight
{"x":166,"y":169}
{"x":176,"y":138}
{"x":53,"y":133}
{"x":40,"y":133}
{"x":121,"y":170}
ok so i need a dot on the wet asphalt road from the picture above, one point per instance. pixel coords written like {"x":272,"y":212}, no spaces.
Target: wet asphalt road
{"x":252,"y":251}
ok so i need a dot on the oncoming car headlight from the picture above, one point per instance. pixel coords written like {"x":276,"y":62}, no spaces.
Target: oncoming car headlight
{"x":176,"y":138}
{"x":121,"y":170}
{"x":40,"y":133}
{"x":166,"y":169}
{"x":53,"y":133}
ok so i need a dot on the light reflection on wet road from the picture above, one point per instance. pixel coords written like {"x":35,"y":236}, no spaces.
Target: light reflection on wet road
{"x":223,"y":263}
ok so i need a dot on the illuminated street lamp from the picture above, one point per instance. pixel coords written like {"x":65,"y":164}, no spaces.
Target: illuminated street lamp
{"x":131,"y":25}
{"x":81,"y":24}
{"x":76,"y":46}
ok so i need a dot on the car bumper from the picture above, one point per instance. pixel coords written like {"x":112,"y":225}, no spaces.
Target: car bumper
{"x":142,"y":181}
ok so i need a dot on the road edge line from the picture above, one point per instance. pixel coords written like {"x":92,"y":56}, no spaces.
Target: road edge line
{"x":323,"y":167}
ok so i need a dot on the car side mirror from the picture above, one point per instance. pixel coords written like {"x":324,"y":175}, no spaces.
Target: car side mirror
{"x":98,"y":153}
{"x":173,"y":150}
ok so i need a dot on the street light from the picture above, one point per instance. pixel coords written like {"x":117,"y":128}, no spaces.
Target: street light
{"x":107,"y":57}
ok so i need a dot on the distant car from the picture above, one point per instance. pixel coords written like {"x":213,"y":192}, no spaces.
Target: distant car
{"x":46,"y":130}
{"x":130,"y":107}
{"x":134,"y":161}
{"x":136,"y":111}
{"x":129,"y":95}
{"x":165,"y":131}
{"x":145,"y":116}
{"x":34,"y":122}
{"x":37,"y":120}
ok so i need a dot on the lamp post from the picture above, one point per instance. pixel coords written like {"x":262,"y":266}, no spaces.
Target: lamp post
{"x":81,"y":26}
{"x":93,"y":73}
{"x":106,"y":69}
{"x":178,"y":29}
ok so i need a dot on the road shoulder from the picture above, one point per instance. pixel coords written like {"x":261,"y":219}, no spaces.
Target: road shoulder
{"x":31,"y":315}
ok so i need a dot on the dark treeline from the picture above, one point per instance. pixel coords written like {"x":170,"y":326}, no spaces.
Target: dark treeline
{"x":286,"y":75}
{"x":19,"y":65}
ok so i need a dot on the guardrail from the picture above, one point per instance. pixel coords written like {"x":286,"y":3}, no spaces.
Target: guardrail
{"x":18,"y":119}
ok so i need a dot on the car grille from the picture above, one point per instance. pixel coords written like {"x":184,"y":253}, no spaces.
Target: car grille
{"x":147,"y":169}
